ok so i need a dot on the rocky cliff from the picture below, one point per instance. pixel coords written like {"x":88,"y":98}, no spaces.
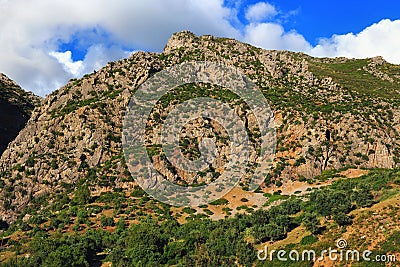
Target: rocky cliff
{"x":329,"y":113}
{"x":16,"y":106}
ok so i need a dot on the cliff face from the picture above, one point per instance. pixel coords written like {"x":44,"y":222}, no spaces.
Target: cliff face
{"x":77,"y":128}
{"x":16,"y":106}
{"x":329,"y":113}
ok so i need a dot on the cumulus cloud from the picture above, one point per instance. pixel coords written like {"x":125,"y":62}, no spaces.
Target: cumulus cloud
{"x":379,"y":39}
{"x":33,"y":30}
{"x":65,"y":58}
{"x":260,"y":11}
{"x":96,"y":57}
{"x":273,"y":36}
{"x":33,"y":33}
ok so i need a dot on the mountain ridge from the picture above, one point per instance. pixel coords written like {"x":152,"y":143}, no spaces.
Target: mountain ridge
{"x":73,"y":139}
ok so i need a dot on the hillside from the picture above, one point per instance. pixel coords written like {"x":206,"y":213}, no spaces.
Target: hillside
{"x":65,"y":171}
{"x":16,"y":107}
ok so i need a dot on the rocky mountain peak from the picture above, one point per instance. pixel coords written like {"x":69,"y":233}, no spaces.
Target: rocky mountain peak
{"x":180,"y":40}
{"x":378,"y":60}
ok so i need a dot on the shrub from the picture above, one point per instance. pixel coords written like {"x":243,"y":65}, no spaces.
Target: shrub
{"x":106,"y":221}
{"x":308,"y":240}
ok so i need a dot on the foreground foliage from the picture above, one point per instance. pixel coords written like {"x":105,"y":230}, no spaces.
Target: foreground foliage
{"x":202,"y":242}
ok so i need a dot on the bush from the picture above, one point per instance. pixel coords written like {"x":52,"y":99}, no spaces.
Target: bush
{"x":300,"y":161}
{"x":310,"y":221}
{"x":82,"y":195}
{"x":30,"y":162}
{"x":137,"y":191}
{"x":308,"y":240}
{"x":106,"y":221}
{"x":221,"y":201}
{"x":342,"y":219}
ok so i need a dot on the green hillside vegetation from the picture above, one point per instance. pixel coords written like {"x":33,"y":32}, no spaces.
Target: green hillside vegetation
{"x":351,"y":74}
{"x":202,"y":241}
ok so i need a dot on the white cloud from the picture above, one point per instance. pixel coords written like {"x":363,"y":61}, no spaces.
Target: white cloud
{"x":379,"y":39}
{"x":32,"y":31}
{"x":273,"y":36}
{"x":98,"y":56}
{"x":260,"y":11}
{"x":65,"y":58}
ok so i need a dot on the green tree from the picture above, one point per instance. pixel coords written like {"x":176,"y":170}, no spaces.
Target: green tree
{"x":82,"y":195}
{"x":341,"y":218}
{"x":311,"y":222}
{"x":106,"y":221}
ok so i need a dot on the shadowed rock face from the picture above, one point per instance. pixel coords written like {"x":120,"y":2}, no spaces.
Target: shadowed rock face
{"x":16,"y":107}
{"x":12,"y":120}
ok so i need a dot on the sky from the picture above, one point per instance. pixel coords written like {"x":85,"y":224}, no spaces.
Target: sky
{"x":44,"y":43}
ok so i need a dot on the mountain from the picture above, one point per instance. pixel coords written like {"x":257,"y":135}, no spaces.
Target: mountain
{"x":334,"y":117}
{"x":16,"y":107}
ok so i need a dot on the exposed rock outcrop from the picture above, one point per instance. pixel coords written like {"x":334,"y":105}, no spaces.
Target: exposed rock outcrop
{"x":74,"y":137}
{"x":16,"y":107}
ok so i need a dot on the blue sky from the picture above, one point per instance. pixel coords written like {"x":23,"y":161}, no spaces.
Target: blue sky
{"x":316,"y":19}
{"x":43,"y":43}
